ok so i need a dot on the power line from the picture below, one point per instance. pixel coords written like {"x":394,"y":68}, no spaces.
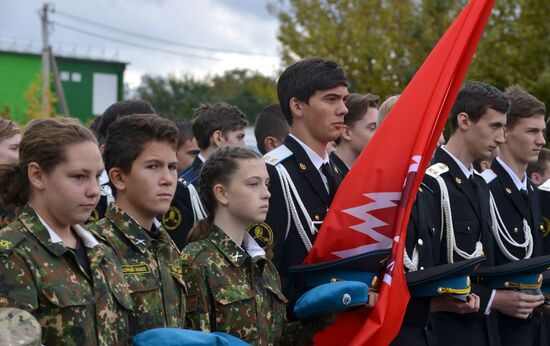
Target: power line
{"x":163,"y":40}
{"x":139,"y":45}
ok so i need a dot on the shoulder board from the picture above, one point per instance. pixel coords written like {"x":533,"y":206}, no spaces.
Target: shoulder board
{"x":545,"y":186}
{"x":277,"y":155}
{"x":488,"y":175}
{"x":437,"y":169}
{"x":9,"y":238}
{"x":191,"y":251}
{"x":189,"y":176}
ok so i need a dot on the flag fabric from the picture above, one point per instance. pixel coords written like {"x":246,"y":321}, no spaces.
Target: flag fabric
{"x":372,"y":206}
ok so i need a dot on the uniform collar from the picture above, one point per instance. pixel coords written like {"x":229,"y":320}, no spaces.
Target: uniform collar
{"x":51,"y":241}
{"x":86,"y":236}
{"x":465,"y":170}
{"x":520,"y":185}
{"x":233,"y":252}
{"x":315,"y":159}
{"x":129,"y":227}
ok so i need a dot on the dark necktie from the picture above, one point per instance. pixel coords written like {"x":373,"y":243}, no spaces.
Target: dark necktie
{"x":472,"y":181}
{"x":327,"y":172}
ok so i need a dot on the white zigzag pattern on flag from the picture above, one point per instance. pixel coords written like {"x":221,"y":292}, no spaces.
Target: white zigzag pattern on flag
{"x":380,"y":200}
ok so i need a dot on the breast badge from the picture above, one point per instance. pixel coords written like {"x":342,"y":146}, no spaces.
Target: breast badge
{"x":172,"y":219}
{"x":262,"y":234}
{"x":94,"y":216}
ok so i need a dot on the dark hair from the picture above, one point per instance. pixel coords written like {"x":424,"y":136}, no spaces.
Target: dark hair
{"x":128,"y":135}
{"x":8,"y":129}
{"x":185,"y":132}
{"x":213,"y":117}
{"x":94,"y":125}
{"x":357,"y":105}
{"x":522,"y":105}
{"x":303,"y":78}
{"x":474,"y":99}
{"x":118,"y":109}
{"x":45,"y":142}
{"x":539,"y":166}
{"x":218,"y":169}
{"x":270,"y":122}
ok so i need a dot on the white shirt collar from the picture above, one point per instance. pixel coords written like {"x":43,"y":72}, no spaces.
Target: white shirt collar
{"x":317,"y":160}
{"x":521,"y":185}
{"x":86,"y":236}
{"x":251,"y":246}
{"x":467,"y":171}
{"x":201,"y":157}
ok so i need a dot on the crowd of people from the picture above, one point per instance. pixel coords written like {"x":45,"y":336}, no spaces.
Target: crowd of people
{"x":139,"y":223}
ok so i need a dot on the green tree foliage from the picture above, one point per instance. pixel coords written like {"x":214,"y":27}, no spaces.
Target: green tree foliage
{"x":382,"y":43}
{"x":176,"y":98}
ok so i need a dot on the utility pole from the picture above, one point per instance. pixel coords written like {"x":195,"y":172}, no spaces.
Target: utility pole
{"x":45,"y":62}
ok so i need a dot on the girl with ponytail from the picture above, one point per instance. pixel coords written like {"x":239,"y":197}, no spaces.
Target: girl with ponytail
{"x":232,"y":286}
{"x":50,"y":265}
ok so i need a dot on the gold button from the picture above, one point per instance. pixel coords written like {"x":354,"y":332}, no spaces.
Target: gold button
{"x":302,"y":166}
{"x":541,"y":227}
{"x":317,"y":218}
{"x":468,"y":228}
{"x":458,"y":180}
{"x":508,"y":190}
{"x":420,"y":242}
{"x":421,"y":268}
{"x":516,"y":230}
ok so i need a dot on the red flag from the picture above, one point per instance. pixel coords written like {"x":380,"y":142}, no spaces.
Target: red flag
{"x":371,"y":208}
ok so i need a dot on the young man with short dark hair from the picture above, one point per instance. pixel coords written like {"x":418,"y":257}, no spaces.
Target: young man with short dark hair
{"x":515,"y":203}
{"x":270,"y":128}
{"x":187,"y":149}
{"x":312,"y":94}
{"x":140,"y":156}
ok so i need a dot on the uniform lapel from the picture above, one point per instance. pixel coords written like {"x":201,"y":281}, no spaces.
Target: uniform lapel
{"x":510,"y":190}
{"x":307,"y":169}
{"x":459,"y":180}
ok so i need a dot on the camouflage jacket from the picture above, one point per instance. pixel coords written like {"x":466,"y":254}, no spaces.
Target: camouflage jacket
{"x":40,"y":275}
{"x":152,"y":268}
{"x":234,"y":291}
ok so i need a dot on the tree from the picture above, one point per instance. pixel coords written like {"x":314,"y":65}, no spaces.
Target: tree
{"x":382,"y":43}
{"x":176,"y":98}
{"x":173,"y":97}
{"x":33,"y":97}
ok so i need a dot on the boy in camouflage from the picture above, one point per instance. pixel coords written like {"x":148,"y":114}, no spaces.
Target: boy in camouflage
{"x":140,"y":157}
{"x":50,"y":266}
{"x":232,"y":286}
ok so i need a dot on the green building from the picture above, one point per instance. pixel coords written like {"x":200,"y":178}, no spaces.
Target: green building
{"x":90,"y":86}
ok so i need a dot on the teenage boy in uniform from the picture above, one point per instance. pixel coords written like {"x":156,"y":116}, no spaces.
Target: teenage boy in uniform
{"x":140,"y":156}
{"x":478,"y":118}
{"x":312,"y":95}
{"x":516,"y":206}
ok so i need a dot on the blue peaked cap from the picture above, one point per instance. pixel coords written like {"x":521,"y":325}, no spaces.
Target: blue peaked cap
{"x":184,"y":337}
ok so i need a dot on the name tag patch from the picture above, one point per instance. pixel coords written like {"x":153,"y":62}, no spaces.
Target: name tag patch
{"x":135,"y":269}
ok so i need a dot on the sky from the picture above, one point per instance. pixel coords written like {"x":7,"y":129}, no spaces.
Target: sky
{"x":225,"y":27}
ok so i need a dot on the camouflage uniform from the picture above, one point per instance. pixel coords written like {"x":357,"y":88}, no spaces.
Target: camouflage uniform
{"x":232,"y":291}
{"x":18,"y":327}
{"x":151,"y":267}
{"x":40,"y":275}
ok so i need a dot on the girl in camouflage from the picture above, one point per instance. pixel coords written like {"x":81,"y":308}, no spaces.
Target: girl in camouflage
{"x":232,"y":285}
{"x":50,"y":265}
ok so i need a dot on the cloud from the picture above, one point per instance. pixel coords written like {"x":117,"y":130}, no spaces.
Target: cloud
{"x":222,"y":24}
